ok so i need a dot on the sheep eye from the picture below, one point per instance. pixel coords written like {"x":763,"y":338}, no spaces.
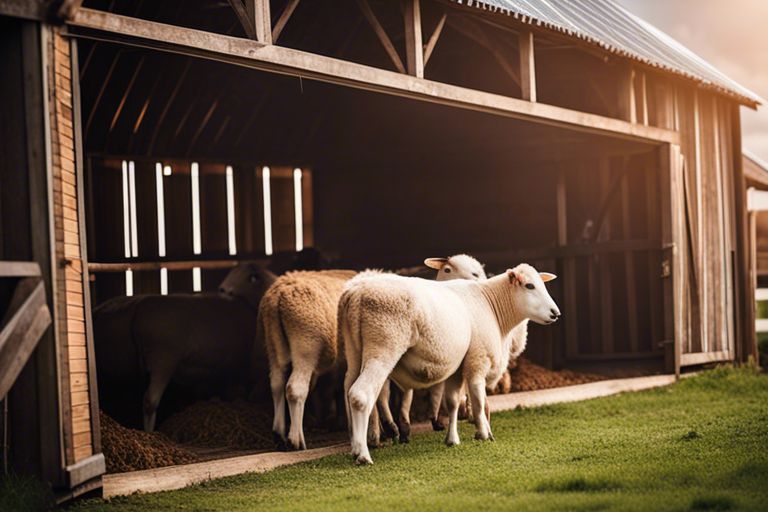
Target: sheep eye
{"x":254,"y":278}
{"x":447,"y":270}
{"x":475,"y":274}
{"x":530,"y":286}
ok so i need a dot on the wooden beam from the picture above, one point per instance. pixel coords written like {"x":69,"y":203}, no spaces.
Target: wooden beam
{"x":283,"y":19}
{"x":627,"y":101}
{"x":414,"y":51}
{"x":120,"y":106}
{"x":527,"y":66}
{"x":170,"y":265}
{"x":643,"y":99}
{"x":244,"y":18}
{"x":384,"y":39}
{"x":434,"y":38}
{"x":99,"y":25}
{"x":67,"y":8}
{"x":705,"y":357}
{"x":26,"y":320}
{"x":19,"y":269}
{"x":259,"y":15}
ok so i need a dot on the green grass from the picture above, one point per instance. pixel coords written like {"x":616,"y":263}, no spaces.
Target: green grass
{"x":24,"y":494}
{"x":699,"y":445}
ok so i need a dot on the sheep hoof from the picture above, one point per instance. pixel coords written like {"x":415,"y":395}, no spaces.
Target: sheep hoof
{"x":481,"y":437}
{"x":292,"y":446}
{"x":405,"y":438}
{"x":363,"y":460}
{"x":437,"y":425}
{"x":389,"y":431}
{"x":450,"y":443}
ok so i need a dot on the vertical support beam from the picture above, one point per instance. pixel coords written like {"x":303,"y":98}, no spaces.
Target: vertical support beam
{"x":744,"y":279}
{"x":672,"y":233}
{"x":259,"y":14}
{"x":627,"y":101}
{"x":414,"y":51}
{"x":569,"y":271}
{"x":527,"y":66}
{"x":643,"y":100}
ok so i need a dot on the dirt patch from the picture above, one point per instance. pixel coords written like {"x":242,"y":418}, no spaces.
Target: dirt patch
{"x":528,"y":376}
{"x":126,"y":449}
{"x":238,"y":424}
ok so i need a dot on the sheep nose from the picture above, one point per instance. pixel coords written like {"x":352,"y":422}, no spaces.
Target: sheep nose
{"x":554,"y":313}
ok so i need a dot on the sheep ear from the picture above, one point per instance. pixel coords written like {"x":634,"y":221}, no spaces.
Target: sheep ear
{"x":546,"y":276}
{"x":435,"y":263}
{"x":513,"y":276}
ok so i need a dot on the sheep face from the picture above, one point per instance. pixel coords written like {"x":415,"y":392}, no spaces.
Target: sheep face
{"x":460,"y":266}
{"x":247,"y":281}
{"x":532,"y":296}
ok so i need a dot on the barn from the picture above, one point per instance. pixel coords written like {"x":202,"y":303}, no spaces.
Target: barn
{"x":149,"y":146}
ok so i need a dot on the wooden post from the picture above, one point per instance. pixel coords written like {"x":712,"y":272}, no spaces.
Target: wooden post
{"x":414,"y":51}
{"x":672,"y":233}
{"x":258,"y":13}
{"x":569,"y":271}
{"x":527,"y":66}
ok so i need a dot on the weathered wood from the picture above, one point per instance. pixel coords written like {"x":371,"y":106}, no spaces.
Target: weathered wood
{"x":86,"y":469}
{"x":19,"y":269}
{"x":672,"y":233}
{"x":627,"y":106}
{"x":283,"y":19}
{"x":170,"y":265}
{"x":128,"y":88}
{"x":27,"y":319}
{"x":705,"y":357}
{"x":414,"y":52}
{"x":644,"y":99}
{"x":434,"y":38}
{"x":384,"y":39}
{"x":604,"y":315}
{"x":261,"y":18}
{"x":243,"y":17}
{"x":85,"y":298}
{"x":569,"y":269}
{"x":90,"y":23}
{"x":67,"y":8}
{"x":527,"y":66}
{"x":629,"y":268}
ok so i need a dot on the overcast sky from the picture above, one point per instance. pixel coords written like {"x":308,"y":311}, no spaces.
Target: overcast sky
{"x":733,"y":36}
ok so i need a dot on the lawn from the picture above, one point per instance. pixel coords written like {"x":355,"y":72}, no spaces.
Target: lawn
{"x":701,"y":444}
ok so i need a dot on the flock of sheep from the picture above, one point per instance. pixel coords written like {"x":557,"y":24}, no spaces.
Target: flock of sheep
{"x":457,"y":332}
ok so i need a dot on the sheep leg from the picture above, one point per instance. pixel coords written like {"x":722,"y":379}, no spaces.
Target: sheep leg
{"x":479,"y":408}
{"x":296,"y":392}
{"x":159,"y":376}
{"x":435,"y":398}
{"x":388,"y":425}
{"x":277,"y":382}
{"x":362,"y":399}
{"x":452,"y":393}
{"x":374,"y":428}
{"x":404,"y":418}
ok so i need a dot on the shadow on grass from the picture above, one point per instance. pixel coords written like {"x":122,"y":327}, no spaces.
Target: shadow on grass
{"x":578,"y":485}
{"x":713,"y":503}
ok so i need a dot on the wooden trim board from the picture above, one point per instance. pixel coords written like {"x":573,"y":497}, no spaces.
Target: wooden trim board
{"x":176,"y":477}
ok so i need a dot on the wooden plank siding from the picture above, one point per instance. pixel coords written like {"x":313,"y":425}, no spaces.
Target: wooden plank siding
{"x":70,"y":300}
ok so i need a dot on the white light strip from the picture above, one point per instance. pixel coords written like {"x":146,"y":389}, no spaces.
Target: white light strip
{"x":267,"y":211}
{"x":160,"y":210}
{"x":126,"y":213}
{"x":195,"y":174}
{"x":163,"y":281}
{"x":128,"y":283}
{"x":197,"y":283}
{"x":231,"y":211}
{"x":134,"y":226}
{"x":167,"y":170}
{"x":298,"y":210}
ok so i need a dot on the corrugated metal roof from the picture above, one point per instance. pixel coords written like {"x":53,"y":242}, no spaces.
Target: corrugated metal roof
{"x":613,"y":28}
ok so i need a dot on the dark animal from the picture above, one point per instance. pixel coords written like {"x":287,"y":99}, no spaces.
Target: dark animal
{"x":187,"y":339}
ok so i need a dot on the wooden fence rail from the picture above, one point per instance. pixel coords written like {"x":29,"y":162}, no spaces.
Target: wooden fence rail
{"x":24,"y":322}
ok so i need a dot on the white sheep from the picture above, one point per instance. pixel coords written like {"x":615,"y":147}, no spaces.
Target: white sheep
{"x":420,"y":333}
{"x":297,"y":323}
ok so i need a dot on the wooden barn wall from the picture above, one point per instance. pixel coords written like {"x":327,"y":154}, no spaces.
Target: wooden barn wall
{"x":80,"y":423}
{"x":705,"y":121}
